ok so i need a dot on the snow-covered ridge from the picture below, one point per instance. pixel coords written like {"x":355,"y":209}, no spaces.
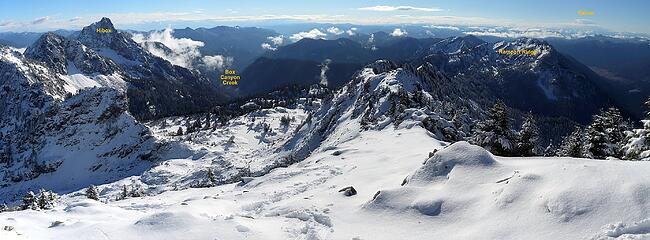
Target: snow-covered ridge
{"x":382,"y":94}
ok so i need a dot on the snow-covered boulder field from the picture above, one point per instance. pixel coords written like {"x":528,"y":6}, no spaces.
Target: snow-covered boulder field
{"x":461,"y":192}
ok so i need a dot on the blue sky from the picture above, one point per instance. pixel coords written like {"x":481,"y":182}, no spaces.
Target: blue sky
{"x":620,"y":16}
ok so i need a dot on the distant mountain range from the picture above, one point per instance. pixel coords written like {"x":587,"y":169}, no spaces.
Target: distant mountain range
{"x":614,"y":70}
{"x":549,"y":84}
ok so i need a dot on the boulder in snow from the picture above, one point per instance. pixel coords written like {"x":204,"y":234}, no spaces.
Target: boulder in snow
{"x":348,"y":191}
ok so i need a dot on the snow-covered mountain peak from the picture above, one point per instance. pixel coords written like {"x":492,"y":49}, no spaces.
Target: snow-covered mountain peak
{"x":50,"y":50}
{"x":111,"y":43}
{"x":22,"y":76}
{"x":183,"y":90}
{"x":455,"y":45}
{"x":61,"y":55}
{"x":535,"y":48}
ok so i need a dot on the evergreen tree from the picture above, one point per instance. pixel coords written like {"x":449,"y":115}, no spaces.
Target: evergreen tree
{"x":595,"y":139}
{"x":124,"y":194}
{"x":91,"y":193}
{"x":3,"y":208}
{"x":285,"y":120}
{"x":179,"y":132}
{"x":42,"y":201}
{"x":494,"y":133}
{"x":638,"y":144}
{"x":528,"y":136}
{"x":572,"y":144}
{"x":616,"y":129}
{"x":208,"y":122}
{"x":196,"y":126}
{"x":45,"y":199}
{"x":29,"y":201}
{"x":550,"y":150}
{"x":605,"y":136}
{"x":211,"y":180}
{"x":136,"y":191}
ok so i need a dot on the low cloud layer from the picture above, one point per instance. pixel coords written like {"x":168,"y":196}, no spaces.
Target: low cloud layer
{"x":268,"y":47}
{"x":526,"y":32}
{"x":325,"y":66}
{"x":398,"y":33}
{"x":183,"y":52}
{"x":314,"y":33}
{"x":384,"y":8}
{"x":443,"y":27}
{"x":335,"y":31}
{"x":274,"y":42}
{"x":277,"y":40}
{"x":41,"y":20}
{"x":351,"y":31}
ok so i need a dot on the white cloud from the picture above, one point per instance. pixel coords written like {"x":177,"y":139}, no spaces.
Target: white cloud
{"x":184,"y":51}
{"x":314,"y":33}
{"x":528,"y":32}
{"x":582,"y":21}
{"x":41,"y":20}
{"x":216,"y":62}
{"x":335,"y":31}
{"x":325,"y":66}
{"x":384,"y":8}
{"x":277,"y":40}
{"x":268,"y":46}
{"x":351,"y":31}
{"x":140,"y":20}
{"x":398,"y":33}
{"x":443,"y":27}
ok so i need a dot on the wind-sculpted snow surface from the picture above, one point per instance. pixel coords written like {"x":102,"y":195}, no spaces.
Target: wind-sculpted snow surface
{"x":521,"y":198}
{"x":461,"y":192}
{"x":443,"y":162}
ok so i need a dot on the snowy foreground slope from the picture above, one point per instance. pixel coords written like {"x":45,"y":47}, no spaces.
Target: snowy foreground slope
{"x":462,"y":192}
{"x":371,"y":136}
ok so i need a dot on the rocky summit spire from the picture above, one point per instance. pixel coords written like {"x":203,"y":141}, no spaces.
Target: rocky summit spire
{"x":99,"y":34}
{"x":105,"y":23}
